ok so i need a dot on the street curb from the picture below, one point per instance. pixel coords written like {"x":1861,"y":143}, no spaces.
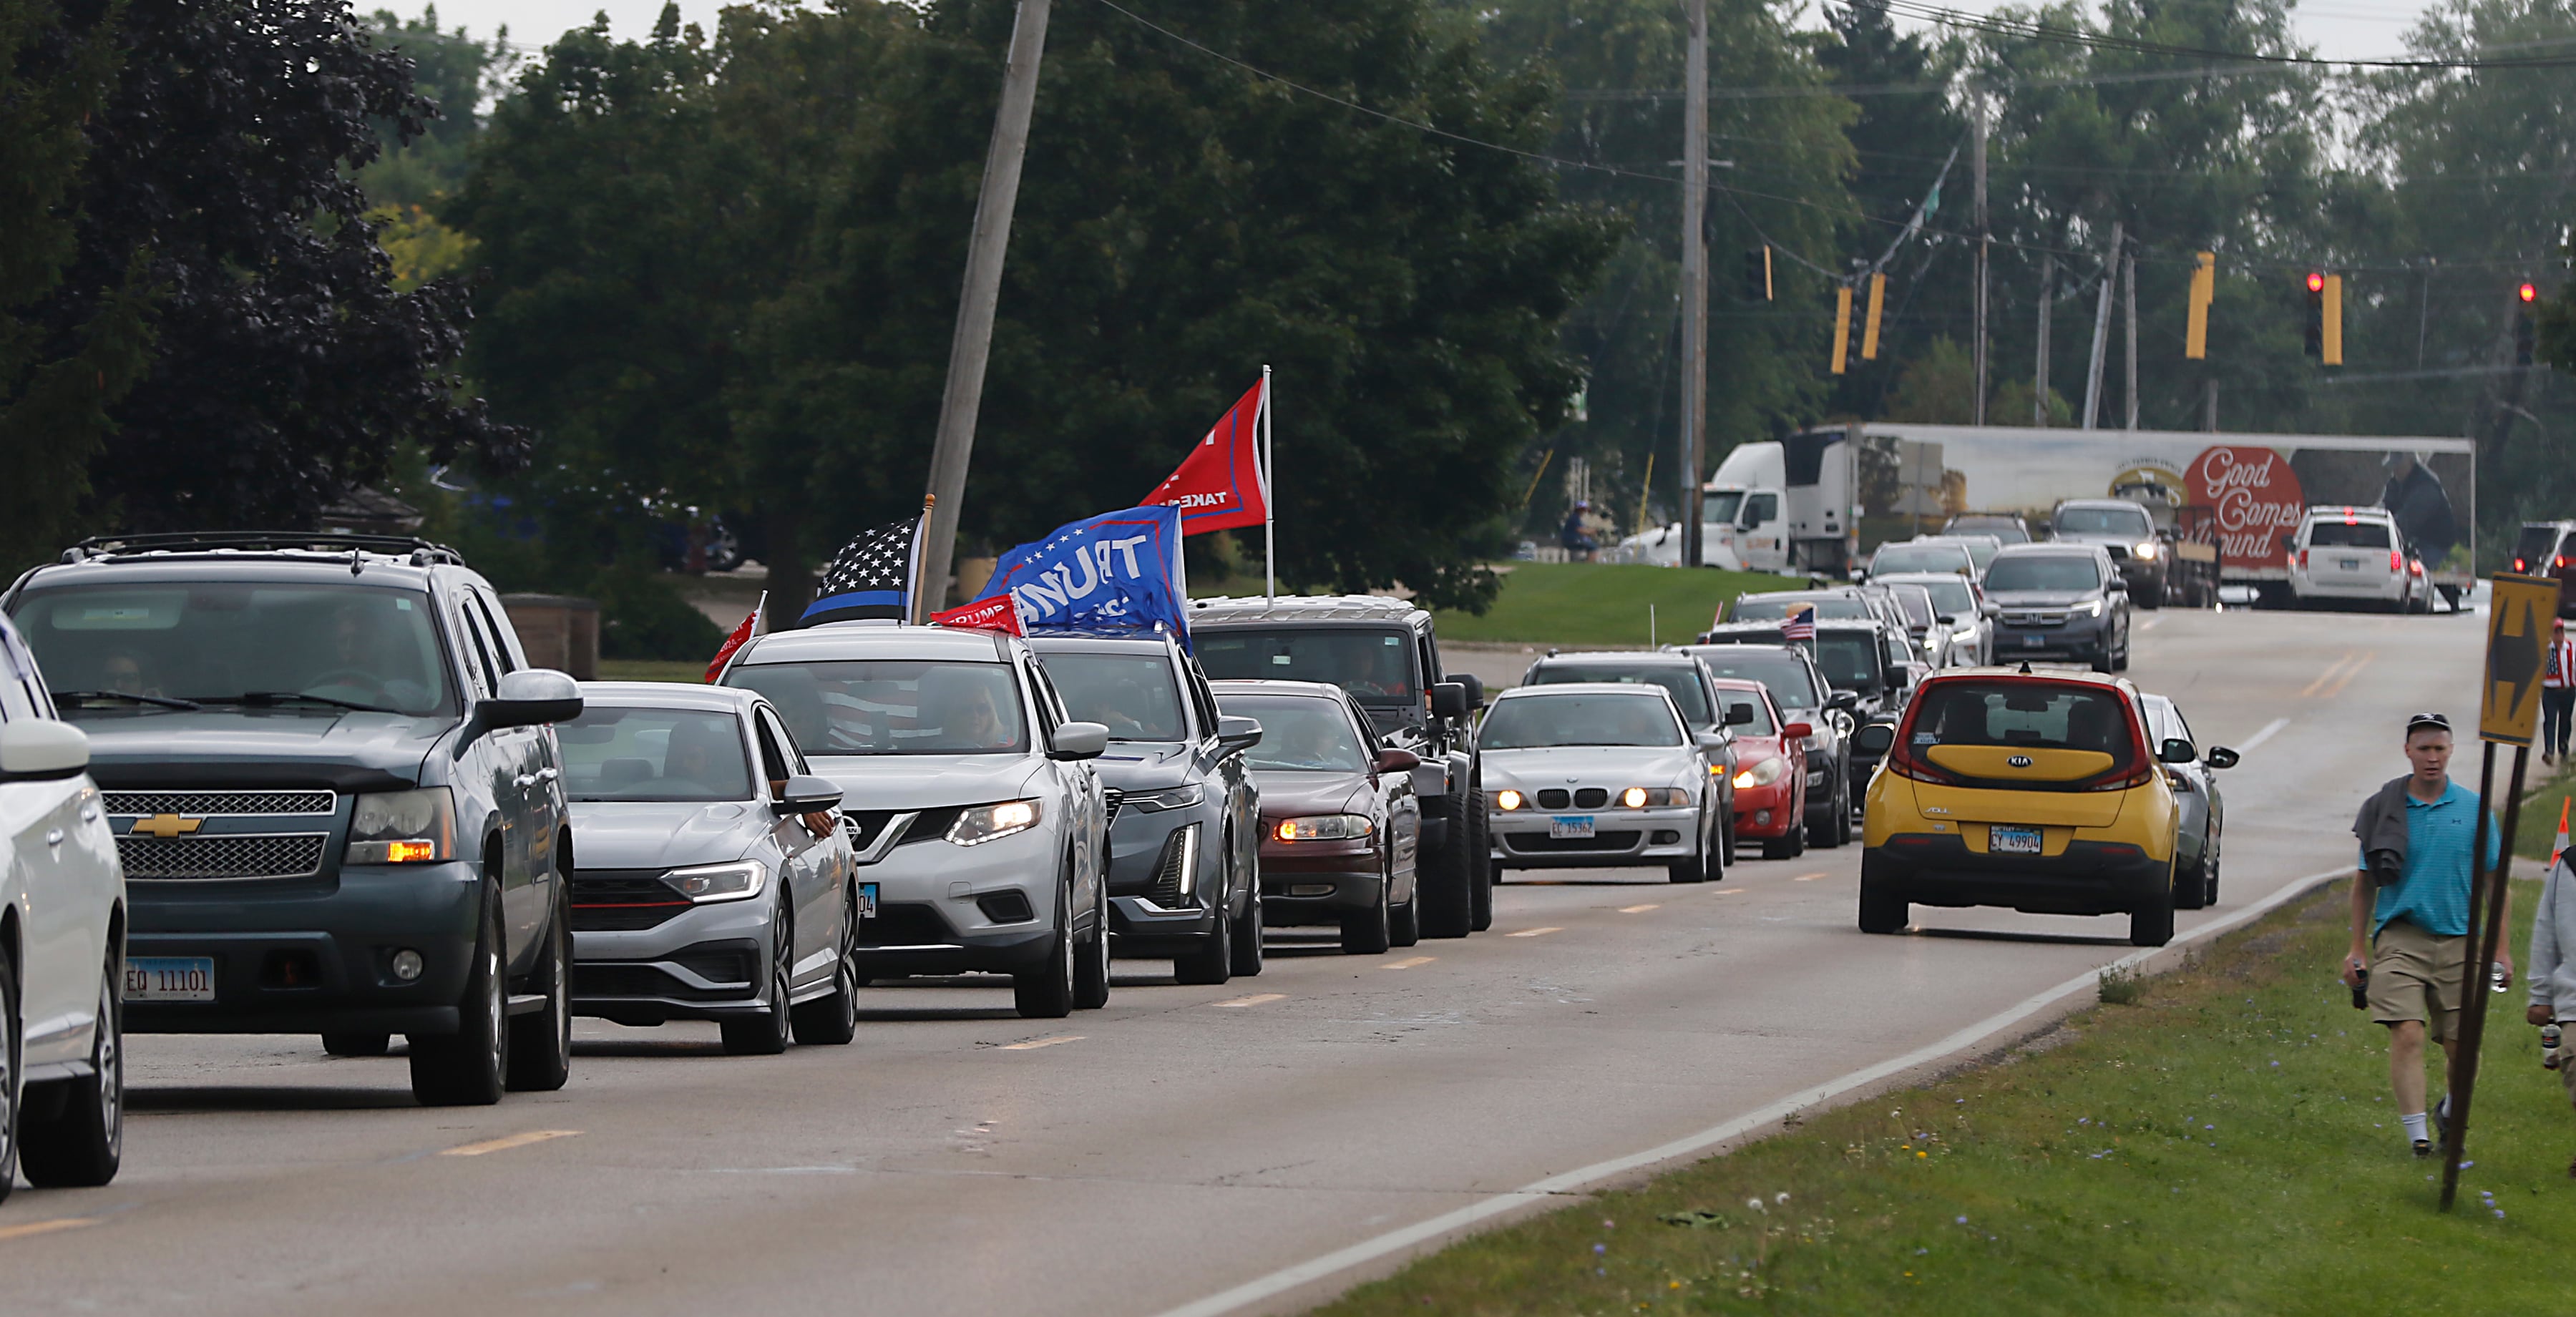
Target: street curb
{"x":1307,"y":1283}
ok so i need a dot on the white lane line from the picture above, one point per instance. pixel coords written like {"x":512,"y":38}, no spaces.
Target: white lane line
{"x":1727,"y":891}
{"x":1035,"y":1043}
{"x":1809,"y":877}
{"x":2151,"y":623}
{"x":2270,"y":730}
{"x":507,"y":1142}
{"x":46,"y":1227}
{"x":1408,"y":962}
{"x":1253,"y":1000}
{"x":1535,"y":932}
{"x":1549,"y":1190}
{"x":1638,"y":909}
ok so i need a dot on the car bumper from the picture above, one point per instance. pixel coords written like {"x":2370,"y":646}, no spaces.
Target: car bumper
{"x":949,"y":909}
{"x":2385,"y":591}
{"x":2087,"y":878}
{"x":2086,"y":639}
{"x":310,"y":959}
{"x":1621,"y":837}
{"x":1766,"y":812}
{"x":707,"y":962}
{"x":1317,"y":882}
{"x":1153,"y":913}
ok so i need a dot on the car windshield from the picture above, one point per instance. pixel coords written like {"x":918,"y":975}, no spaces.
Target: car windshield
{"x":1758,"y":723}
{"x":1982,"y":551}
{"x":1299,"y":734}
{"x":1920,"y":558}
{"x":2348,"y":535}
{"x":893,"y":706}
{"x":1531,"y":722}
{"x":1773,"y":607}
{"x":2061,"y":572}
{"x":1374,"y":665}
{"x":1950,"y":595}
{"x":2131,"y":521}
{"x":1133,"y":695}
{"x":1849,"y":658}
{"x":2040,"y":715}
{"x":654,"y":754}
{"x":1916,"y":604}
{"x":1782,"y":672}
{"x":2007,"y":529}
{"x":373,"y":647}
{"x":1679,"y":682}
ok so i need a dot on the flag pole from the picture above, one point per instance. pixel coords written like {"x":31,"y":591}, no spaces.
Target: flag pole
{"x":916,"y":609}
{"x":1269,"y":499}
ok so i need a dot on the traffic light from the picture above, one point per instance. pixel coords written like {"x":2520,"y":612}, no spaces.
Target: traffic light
{"x":1869,"y":327}
{"x":2524,"y":331}
{"x":1757,"y":274}
{"x":2316,"y":335}
{"x":2204,"y":289}
{"x":1842,"y":324}
{"x":2325,"y":317}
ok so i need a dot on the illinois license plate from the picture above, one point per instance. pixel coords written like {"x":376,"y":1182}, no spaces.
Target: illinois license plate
{"x":2013,"y":841}
{"x":169,"y":978}
{"x":2033,"y":642}
{"x":2349,"y":564}
{"x":867,"y":900}
{"x":1569,"y":825}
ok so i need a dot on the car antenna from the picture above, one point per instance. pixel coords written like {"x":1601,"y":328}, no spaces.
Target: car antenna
{"x":355,"y":560}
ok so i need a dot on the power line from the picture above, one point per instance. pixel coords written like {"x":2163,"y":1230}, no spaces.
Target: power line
{"x":1994,"y":25}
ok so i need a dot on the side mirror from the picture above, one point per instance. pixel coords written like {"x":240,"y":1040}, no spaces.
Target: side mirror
{"x":42,"y":750}
{"x":1397,"y":761}
{"x":1874,"y":740}
{"x":1843,"y":700}
{"x":1714,"y":743}
{"x":531,"y":696}
{"x":1236,"y":735}
{"x":1990,"y":609}
{"x":1949,"y":619}
{"x":2119,"y":583}
{"x":807,"y":794}
{"x":1449,"y":700}
{"x":1738,"y":715}
{"x":1475,"y":688}
{"x":2220,"y":756}
{"x":1797,"y":731}
{"x":2176,"y":751}
{"x":1077,"y":741}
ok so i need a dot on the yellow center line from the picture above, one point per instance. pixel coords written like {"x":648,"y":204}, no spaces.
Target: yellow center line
{"x":1253,"y":1000}
{"x":1727,"y":891}
{"x":2350,"y":673}
{"x":1534,"y":932}
{"x":1638,"y":909}
{"x":506,"y":1143}
{"x":1408,"y":962}
{"x":1036,"y":1043}
{"x":46,"y":1227}
{"x":2326,"y":676}
{"x":1809,"y":877}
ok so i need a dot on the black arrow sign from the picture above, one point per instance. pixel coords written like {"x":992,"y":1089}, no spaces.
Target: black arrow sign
{"x":2517,"y":665}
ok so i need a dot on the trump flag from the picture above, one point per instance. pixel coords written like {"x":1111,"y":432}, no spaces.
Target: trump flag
{"x":1118,"y":571}
{"x":1221,"y":485}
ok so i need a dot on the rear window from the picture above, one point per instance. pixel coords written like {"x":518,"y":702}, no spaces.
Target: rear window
{"x":1681,"y":683}
{"x":1374,"y":665}
{"x":2040,"y":715}
{"x":2348,"y":535}
{"x":2104,"y":521}
{"x":1921,"y":558}
{"x":1783,"y":674}
{"x":1530,"y":722}
{"x":1773,"y":607}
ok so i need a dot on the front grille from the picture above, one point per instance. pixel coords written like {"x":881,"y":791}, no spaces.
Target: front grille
{"x":1110,"y":799}
{"x":1591,"y":798}
{"x":904,"y":924}
{"x":1170,"y":867}
{"x":732,"y":966}
{"x":622,"y":902}
{"x":931,"y":825}
{"x":1554,"y":798}
{"x":292,"y":855}
{"x":1535,"y":844}
{"x":2034,"y":619}
{"x":861,"y":826}
{"x":204,"y":804}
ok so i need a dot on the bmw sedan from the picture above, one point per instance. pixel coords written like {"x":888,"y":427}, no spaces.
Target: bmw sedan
{"x":1595,"y":775}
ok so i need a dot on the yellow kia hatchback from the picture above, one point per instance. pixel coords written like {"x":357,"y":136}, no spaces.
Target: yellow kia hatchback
{"x":2038,"y":791}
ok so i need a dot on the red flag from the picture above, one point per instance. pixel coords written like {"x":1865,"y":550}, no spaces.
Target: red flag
{"x":732,"y":642}
{"x":1219,"y":486}
{"x":999,"y":613}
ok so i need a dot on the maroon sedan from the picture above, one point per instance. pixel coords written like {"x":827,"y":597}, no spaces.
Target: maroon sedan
{"x":1340,"y":825}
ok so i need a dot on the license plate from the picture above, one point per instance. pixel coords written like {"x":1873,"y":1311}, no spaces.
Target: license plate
{"x":2349,"y":564}
{"x":867,"y":900}
{"x":1569,"y":825}
{"x":2033,"y":642}
{"x":2013,"y":841}
{"x":169,"y":978}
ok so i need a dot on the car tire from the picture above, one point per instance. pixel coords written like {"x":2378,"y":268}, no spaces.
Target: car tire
{"x":2152,"y":925}
{"x":1045,"y":991}
{"x":2209,"y":897}
{"x":465,"y":1068}
{"x":1843,"y":817}
{"x":1445,"y":887}
{"x":767,"y":1033}
{"x":1366,"y":932}
{"x":10,"y":1044}
{"x":2191,"y":886}
{"x":1785,"y":846}
{"x":1091,"y":957}
{"x":832,"y":1020}
{"x":1248,"y":953}
{"x":1480,"y":849}
{"x":541,"y":1062}
{"x":1694,"y":869}
{"x":1212,"y":961}
{"x":1727,"y":840}
{"x":2151,"y":597}
{"x":1881,"y":910}
{"x":357,"y":1044}
{"x":1404,"y":922}
{"x":81,"y":1145}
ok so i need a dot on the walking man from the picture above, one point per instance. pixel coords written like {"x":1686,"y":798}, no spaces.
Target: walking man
{"x":2557,"y":693}
{"x":2553,"y":975}
{"x":2410,"y":911}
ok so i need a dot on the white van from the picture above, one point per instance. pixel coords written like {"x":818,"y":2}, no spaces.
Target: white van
{"x":2355,"y":555}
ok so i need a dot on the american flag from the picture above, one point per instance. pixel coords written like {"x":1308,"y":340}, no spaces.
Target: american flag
{"x":1800,"y":624}
{"x":871,"y":577}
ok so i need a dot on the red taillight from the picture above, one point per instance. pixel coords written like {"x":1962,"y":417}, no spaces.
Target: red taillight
{"x":2560,"y":562}
{"x":2303,"y":560}
{"x":2395,"y":563}
{"x":2517,"y":564}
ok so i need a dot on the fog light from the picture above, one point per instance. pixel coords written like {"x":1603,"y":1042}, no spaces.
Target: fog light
{"x":407,"y":964}
{"x":1762,"y":818}
{"x":1311,"y":889}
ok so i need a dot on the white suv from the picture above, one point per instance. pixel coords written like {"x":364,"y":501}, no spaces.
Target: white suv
{"x":62,"y":935}
{"x":2353,"y":555}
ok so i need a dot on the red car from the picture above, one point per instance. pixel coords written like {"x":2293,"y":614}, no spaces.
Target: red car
{"x":1770,"y":769}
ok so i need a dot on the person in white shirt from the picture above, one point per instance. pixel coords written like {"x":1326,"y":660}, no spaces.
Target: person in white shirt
{"x":2557,"y":693}
{"x":2553,"y":973}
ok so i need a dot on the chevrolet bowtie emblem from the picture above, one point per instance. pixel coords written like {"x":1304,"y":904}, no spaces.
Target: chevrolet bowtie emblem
{"x":164,"y":826}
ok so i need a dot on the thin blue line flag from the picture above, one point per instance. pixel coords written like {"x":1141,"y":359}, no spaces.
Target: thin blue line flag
{"x":871,"y":577}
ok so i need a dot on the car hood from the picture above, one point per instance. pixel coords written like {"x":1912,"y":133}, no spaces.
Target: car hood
{"x":622,"y":834}
{"x":260,"y":747}
{"x":1288,"y":795}
{"x":925,"y":781}
{"x":1143,"y":765}
{"x":2041,"y":598}
{"x":1589,"y":765}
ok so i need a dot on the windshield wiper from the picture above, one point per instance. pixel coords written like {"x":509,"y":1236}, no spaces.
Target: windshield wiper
{"x":268,"y":699}
{"x":66,"y":698}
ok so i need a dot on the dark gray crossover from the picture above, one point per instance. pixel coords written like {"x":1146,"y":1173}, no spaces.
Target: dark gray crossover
{"x":2060,"y":601}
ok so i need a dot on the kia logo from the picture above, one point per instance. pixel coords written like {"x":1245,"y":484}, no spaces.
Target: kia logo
{"x":2019,"y":761}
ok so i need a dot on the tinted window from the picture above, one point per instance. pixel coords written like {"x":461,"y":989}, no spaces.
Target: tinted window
{"x":1849,"y":659}
{"x":1783,"y":673}
{"x":2104,"y":521}
{"x":653,"y":754}
{"x":2053,"y":571}
{"x":1375,"y":666}
{"x":893,"y":706}
{"x":1299,"y":734}
{"x":1534,"y":721}
{"x":2537,"y":545}
{"x":1920,"y":558}
{"x":2041,"y":715}
{"x":1133,"y":695}
{"x":358,"y":644}
{"x":1950,"y":595}
{"x":1914,"y":602}
{"x":1772,"y":607}
{"x":2348,"y":535}
{"x":1681,"y":683}
{"x":2007,"y":529}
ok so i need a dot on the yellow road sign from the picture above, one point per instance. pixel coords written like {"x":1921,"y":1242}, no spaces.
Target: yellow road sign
{"x":2517,"y":653}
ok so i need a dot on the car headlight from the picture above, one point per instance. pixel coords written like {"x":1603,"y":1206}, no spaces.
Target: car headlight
{"x":1324,"y":827}
{"x":1180,"y":797}
{"x":1762,"y":774}
{"x":2146,"y":550}
{"x":985,"y":823}
{"x":1651,"y":797}
{"x":1508,"y":800}
{"x":707,"y":883}
{"x":402,"y":827}
{"x":2088,"y":608}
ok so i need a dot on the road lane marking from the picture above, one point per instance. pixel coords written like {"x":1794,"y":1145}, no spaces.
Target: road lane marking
{"x":1253,"y":1000}
{"x":2348,"y":674}
{"x":1551,"y":1191}
{"x":1408,"y":962}
{"x":1534,"y":932}
{"x":1035,"y":1043}
{"x":2270,"y":730}
{"x":506,"y":1143}
{"x":46,"y":1227}
{"x":2326,"y":676}
{"x":1638,"y":909}
{"x":1728,"y":891}
{"x":1809,"y":877}
{"x":2151,"y":624}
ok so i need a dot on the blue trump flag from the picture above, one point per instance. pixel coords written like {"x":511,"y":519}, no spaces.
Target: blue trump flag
{"x":1116,"y":571}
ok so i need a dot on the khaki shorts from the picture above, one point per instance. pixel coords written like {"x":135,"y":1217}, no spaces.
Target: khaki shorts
{"x":2567,"y":1057}
{"x":2415,"y":975}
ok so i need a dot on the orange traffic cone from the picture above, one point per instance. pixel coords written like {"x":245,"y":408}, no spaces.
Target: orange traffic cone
{"x":2559,"y":847}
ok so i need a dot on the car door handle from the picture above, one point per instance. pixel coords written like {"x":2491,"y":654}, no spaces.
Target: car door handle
{"x":548,"y":774}
{"x":53,"y":836}
{"x":525,"y":780}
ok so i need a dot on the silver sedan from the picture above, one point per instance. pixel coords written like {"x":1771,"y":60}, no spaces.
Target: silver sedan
{"x":1599,"y":775}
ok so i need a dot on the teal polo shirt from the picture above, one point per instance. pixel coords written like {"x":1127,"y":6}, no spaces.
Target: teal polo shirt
{"x":2433,"y":893}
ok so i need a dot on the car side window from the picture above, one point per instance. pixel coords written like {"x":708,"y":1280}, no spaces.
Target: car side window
{"x":773,"y":761}
{"x":1050,"y":708}
{"x":1202,"y":699}
{"x":478,"y":657}
{"x":1367,"y":731}
{"x":505,"y":638}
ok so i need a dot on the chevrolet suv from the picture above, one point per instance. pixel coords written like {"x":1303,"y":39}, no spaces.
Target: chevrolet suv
{"x":333,"y":782}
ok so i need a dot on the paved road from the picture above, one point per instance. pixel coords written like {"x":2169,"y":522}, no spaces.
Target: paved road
{"x":960,"y":1160}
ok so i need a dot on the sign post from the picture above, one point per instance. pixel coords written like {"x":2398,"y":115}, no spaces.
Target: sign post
{"x":2518,"y":616}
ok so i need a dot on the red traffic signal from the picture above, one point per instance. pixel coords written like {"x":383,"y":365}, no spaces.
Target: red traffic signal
{"x":2316,"y":282}
{"x":2527,"y":293}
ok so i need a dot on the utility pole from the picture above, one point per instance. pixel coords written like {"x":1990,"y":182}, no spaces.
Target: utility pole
{"x":1985,"y":240}
{"x":1694,"y":274}
{"x":972,"y":346}
{"x":2047,"y":298}
{"x":2101,"y":330}
{"x":2129,"y":299}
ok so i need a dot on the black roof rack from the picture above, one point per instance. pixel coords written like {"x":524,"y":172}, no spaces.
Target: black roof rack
{"x":421,"y":552}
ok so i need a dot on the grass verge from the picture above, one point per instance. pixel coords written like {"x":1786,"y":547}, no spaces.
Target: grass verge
{"x":2537,"y":830}
{"x":1581,"y":603}
{"x":2223,"y":1143}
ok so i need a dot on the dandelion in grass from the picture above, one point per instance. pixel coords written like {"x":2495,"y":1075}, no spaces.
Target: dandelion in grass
{"x":1780,"y":1197}
{"x":1755,"y":1203}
